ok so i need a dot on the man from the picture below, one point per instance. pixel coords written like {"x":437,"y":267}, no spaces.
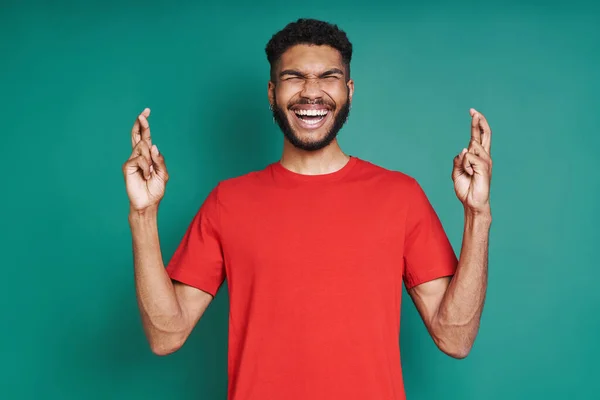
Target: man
{"x":315,"y":247}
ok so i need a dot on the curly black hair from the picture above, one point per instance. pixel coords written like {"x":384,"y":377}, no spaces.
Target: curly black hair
{"x":309,"y":31}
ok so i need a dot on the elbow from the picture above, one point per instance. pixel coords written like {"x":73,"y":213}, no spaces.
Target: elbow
{"x":454,"y":349}
{"x":458,"y":352}
{"x":455,"y":341}
{"x":165,"y":346}
{"x":162,"y":351}
{"x":165,"y":335}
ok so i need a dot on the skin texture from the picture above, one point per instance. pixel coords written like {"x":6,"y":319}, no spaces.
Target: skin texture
{"x":450,"y":307}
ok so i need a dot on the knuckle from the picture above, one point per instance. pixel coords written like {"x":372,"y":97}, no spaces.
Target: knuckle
{"x":142,"y":148}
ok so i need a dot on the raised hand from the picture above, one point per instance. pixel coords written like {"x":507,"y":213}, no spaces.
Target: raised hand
{"x":145,"y":171}
{"x":472,"y":170}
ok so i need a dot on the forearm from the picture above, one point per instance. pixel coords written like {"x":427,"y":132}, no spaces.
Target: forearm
{"x":161,"y":313}
{"x":456,"y":322}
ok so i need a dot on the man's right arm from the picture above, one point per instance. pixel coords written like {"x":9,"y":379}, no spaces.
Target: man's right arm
{"x":169,"y":309}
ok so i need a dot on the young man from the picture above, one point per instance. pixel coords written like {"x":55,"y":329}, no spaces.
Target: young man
{"x":315,"y":247}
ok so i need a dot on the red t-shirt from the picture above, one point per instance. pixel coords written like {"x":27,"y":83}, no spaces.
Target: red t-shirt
{"x":314,"y":267}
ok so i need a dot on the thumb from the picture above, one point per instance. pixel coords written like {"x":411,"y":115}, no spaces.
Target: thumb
{"x":159,"y":163}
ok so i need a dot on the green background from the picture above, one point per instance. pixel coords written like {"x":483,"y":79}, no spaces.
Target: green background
{"x":74,"y":75}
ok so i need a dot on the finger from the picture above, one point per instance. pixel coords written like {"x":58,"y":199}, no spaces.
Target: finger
{"x":135,"y":131}
{"x":466,"y":165}
{"x":485,"y":132}
{"x":145,"y":128}
{"x":486,"y":136}
{"x":136,"y":164}
{"x":458,"y":160}
{"x":477,"y":149}
{"x":159,"y":163}
{"x":459,"y":157}
{"x":475,"y":130}
{"x":474,"y":164}
{"x":142,"y":149}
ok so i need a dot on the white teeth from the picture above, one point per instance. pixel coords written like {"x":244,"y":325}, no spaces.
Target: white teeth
{"x":313,"y":121}
{"x":312,"y":113}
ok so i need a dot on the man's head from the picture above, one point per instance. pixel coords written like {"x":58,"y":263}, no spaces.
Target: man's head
{"x":310,"y":88}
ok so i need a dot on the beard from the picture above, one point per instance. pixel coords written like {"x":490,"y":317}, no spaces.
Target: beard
{"x":312,"y":145}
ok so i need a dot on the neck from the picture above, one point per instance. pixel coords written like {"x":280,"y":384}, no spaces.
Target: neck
{"x":324,"y":161}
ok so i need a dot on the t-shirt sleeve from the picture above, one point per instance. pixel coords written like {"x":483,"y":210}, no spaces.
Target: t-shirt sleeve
{"x":428,"y":253}
{"x":198,"y":259}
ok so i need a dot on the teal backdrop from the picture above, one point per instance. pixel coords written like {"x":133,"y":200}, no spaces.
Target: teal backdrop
{"x":74,"y":75}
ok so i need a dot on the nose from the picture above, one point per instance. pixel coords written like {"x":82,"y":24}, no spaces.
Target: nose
{"x":311,"y":89}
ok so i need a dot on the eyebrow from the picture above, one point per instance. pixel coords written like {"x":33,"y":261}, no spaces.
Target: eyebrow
{"x":293,"y":72}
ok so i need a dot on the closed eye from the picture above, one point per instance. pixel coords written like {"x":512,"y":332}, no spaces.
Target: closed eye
{"x":332,"y":74}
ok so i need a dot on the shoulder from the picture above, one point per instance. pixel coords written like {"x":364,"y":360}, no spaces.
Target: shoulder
{"x":238,"y":186}
{"x":386,"y":176}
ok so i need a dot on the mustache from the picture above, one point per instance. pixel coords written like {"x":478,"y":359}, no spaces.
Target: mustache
{"x":319,"y":101}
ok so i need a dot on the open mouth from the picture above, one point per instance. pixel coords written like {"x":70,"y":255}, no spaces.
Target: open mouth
{"x":311,"y":118}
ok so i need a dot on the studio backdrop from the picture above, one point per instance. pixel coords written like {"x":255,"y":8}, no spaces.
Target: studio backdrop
{"x":74,"y":76}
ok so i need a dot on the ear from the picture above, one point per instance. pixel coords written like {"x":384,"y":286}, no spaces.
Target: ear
{"x":350,"y":85}
{"x":271,"y":92}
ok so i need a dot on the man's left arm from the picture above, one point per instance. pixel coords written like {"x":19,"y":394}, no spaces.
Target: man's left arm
{"x":451,"y":307}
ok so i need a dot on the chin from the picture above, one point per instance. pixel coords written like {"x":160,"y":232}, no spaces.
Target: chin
{"x":308,"y":127}
{"x":310,"y":136}
{"x":310,"y":141}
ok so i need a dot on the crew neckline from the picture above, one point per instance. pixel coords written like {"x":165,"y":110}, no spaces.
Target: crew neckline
{"x":290,"y":175}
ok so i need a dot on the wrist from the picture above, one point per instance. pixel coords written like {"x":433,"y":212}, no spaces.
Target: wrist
{"x":147,"y":213}
{"x":481,"y":216}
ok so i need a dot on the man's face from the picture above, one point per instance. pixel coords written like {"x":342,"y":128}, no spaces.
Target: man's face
{"x":311,"y":95}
